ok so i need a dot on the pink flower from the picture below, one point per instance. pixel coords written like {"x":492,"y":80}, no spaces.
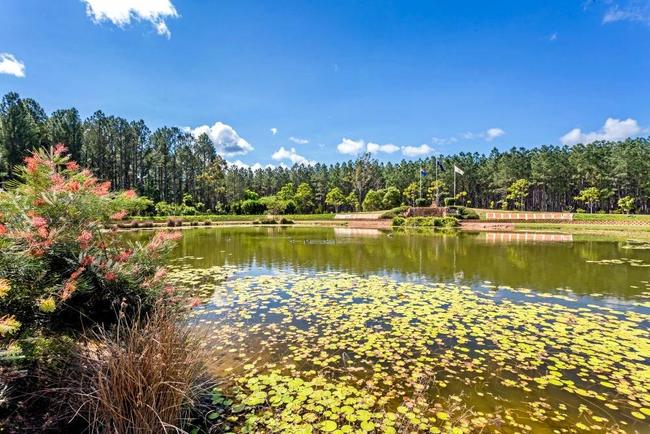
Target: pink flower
{"x":38,"y":221}
{"x":160,"y":274}
{"x":73,"y":186}
{"x":130,"y":194}
{"x":103,"y":188}
{"x":32,"y":164}
{"x":119,"y":215}
{"x":87,"y":260}
{"x":124,"y":256}
{"x":60,"y":149}
{"x":72,"y":166}
{"x":110,"y":276}
{"x":194,"y":302}
{"x":169,"y":289}
{"x":84,"y":238}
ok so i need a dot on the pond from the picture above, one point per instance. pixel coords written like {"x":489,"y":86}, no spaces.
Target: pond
{"x":344,"y":330}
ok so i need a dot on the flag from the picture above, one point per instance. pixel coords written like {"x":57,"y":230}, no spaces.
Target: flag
{"x":423,"y":172}
{"x":458,"y":170}
{"x":440,"y":166}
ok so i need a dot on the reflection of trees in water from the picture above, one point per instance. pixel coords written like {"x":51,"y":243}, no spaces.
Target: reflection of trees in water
{"x":439,"y":257}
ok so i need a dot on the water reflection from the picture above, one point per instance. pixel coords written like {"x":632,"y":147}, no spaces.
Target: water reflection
{"x":534,"y":262}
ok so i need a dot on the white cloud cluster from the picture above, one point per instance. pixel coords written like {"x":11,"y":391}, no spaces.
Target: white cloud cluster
{"x":225,"y":139}
{"x":417,"y":151}
{"x":10,"y":65}
{"x":388,"y":148}
{"x":291,"y":155}
{"x":349,"y":146}
{"x":274,"y":131}
{"x":487,"y":135}
{"x":638,"y":11}
{"x":298,"y":140}
{"x":253,"y":167}
{"x":613,"y":129}
{"x":120,"y":12}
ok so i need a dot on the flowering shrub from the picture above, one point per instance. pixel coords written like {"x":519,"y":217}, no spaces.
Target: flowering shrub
{"x":58,"y":266}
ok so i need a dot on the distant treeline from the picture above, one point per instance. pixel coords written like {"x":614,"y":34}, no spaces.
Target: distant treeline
{"x":171,"y":165}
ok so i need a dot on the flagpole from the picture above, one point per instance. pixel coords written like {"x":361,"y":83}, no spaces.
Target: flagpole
{"x":454,"y":182}
{"x":420,"y":182}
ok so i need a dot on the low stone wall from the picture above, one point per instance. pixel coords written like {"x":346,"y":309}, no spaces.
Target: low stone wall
{"x":526,"y":216}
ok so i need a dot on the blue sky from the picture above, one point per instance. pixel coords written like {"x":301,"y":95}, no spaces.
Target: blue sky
{"x":400,"y":78}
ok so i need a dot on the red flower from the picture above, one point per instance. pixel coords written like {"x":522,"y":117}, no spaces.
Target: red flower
{"x":39,"y":202}
{"x":59,"y":149}
{"x":72,"y":166}
{"x":3,"y":229}
{"x":87,"y":260}
{"x":119,"y":215}
{"x":110,"y":276}
{"x":195,"y":302}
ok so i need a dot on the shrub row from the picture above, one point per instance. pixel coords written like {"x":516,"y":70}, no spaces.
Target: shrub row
{"x":425,"y":222}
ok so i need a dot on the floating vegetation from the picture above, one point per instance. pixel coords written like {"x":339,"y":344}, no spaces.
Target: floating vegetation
{"x":200,"y":282}
{"x":636,"y":245}
{"x":621,"y":261}
{"x":335,"y":352}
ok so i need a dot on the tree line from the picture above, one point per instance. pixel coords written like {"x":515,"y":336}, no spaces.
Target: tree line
{"x":180,"y":172}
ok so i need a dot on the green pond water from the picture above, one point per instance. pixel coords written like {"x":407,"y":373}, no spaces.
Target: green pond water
{"x":344,"y":330}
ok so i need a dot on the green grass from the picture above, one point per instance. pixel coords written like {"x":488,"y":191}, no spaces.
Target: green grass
{"x":611,"y":217}
{"x":620,"y":232}
{"x":234,"y":218}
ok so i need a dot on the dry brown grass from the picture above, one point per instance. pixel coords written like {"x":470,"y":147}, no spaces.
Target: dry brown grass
{"x":145,"y":376}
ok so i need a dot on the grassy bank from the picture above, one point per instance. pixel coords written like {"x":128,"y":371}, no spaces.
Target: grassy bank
{"x":618,"y":231}
{"x":234,"y":218}
{"x":612,"y":217}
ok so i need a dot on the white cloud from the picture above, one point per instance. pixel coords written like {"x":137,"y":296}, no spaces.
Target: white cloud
{"x":291,"y":155}
{"x":552,"y":37}
{"x":487,"y":135}
{"x":298,"y":140}
{"x":253,"y":167}
{"x":416,"y":151}
{"x":10,"y":65}
{"x":493,"y":133}
{"x":637,"y":11}
{"x":388,"y":148}
{"x":443,"y":140}
{"x":120,"y":12}
{"x":226,"y":140}
{"x":614,"y":129}
{"x":274,"y":131}
{"x":349,"y":146}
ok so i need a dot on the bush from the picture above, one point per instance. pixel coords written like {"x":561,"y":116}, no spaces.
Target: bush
{"x":392,"y":198}
{"x":425,"y":222}
{"x":395,"y":212}
{"x":252,"y":207}
{"x":466,"y":213}
{"x":286,"y":221}
{"x":372,"y":201}
{"x":450,"y":201}
{"x":52,"y":251}
{"x":422,"y":202}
